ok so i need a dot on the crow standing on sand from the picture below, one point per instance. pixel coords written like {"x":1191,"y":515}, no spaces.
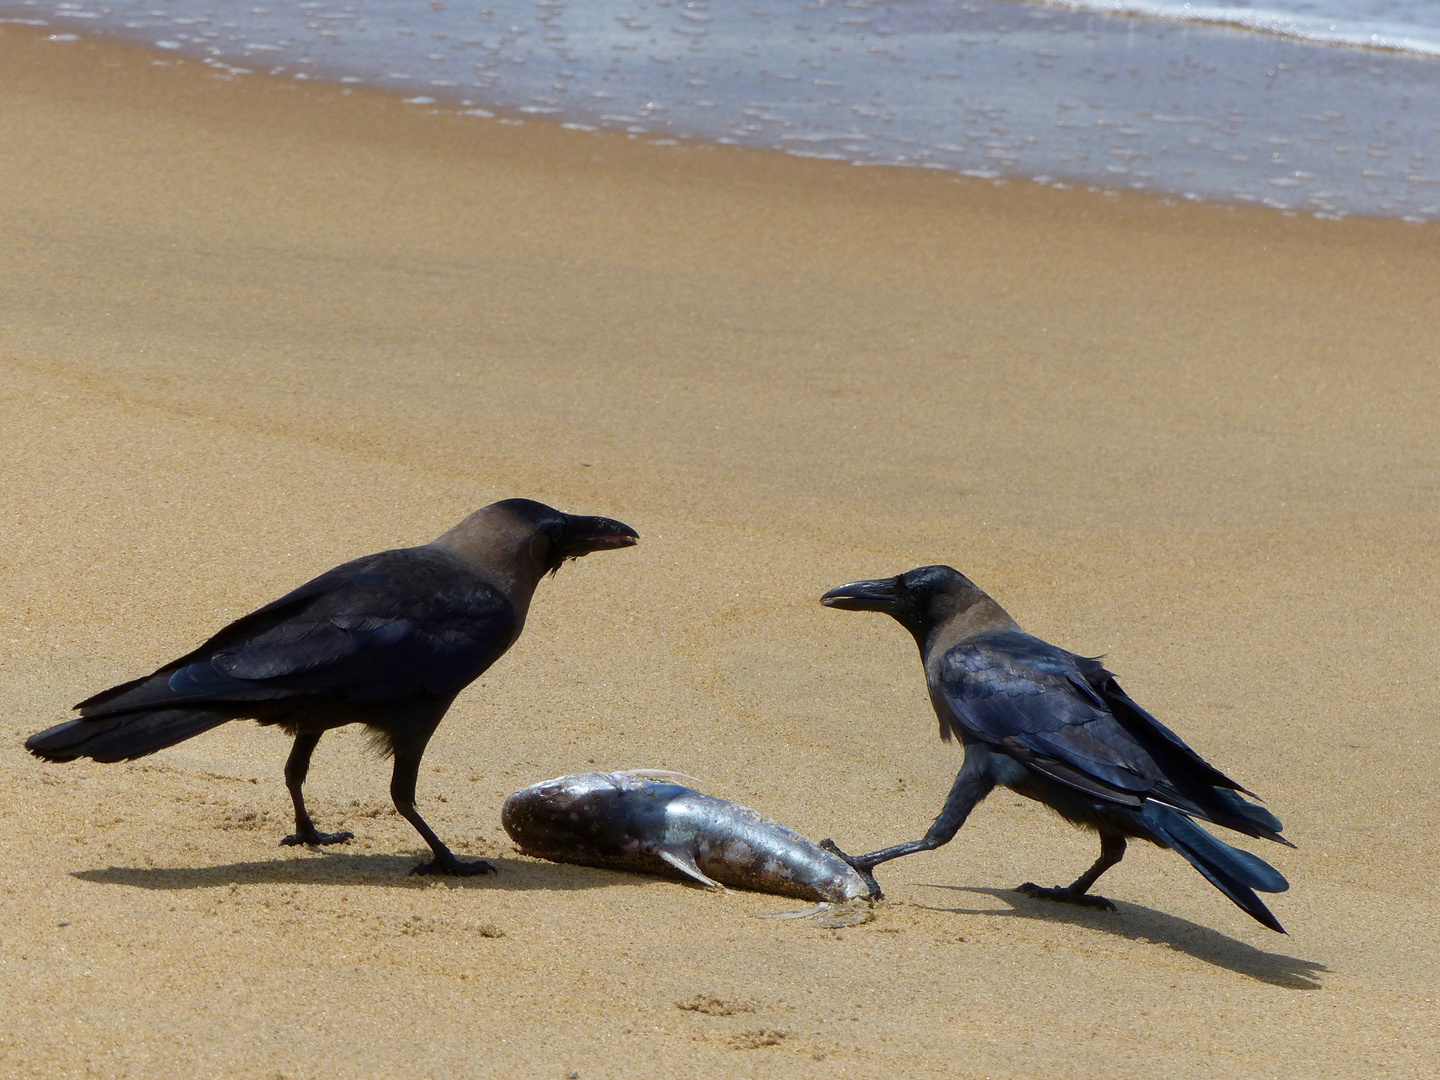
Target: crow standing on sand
{"x":387,"y":640}
{"x":1057,"y":728}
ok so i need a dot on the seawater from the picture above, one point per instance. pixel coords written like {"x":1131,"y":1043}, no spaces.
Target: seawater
{"x":1330,"y":107}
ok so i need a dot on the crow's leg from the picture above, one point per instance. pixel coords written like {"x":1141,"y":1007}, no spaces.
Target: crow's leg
{"x":1112,"y":850}
{"x":296,"y":768}
{"x":402,"y":790}
{"x":972,"y":785}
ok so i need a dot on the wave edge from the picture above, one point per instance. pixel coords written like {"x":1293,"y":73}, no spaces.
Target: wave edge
{"x":1380,"y":37}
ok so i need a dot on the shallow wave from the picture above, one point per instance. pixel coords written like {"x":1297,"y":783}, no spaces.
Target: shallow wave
{"x":1391,"y":37}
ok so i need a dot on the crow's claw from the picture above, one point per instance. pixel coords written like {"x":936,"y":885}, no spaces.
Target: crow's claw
{"x":1061,"y":895}
{"x":859,"y":865}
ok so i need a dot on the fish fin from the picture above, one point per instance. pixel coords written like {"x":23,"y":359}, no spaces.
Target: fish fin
{"x":845,"y":913}
{"x":827,"y":914}
{"x":685,"y":863}
{"x":655,"y":774}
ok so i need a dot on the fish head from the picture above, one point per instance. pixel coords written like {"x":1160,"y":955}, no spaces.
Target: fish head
{"x":547,"y":816}
{"x":587,"y":812}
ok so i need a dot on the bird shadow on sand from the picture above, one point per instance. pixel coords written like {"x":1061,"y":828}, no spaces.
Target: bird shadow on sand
{"x":1145,"y":924}
{"x":339,"y":868}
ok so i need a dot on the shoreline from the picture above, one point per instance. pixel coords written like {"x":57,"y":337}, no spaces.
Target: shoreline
{"x":255,"y":328}
{"x":1290,"y":126}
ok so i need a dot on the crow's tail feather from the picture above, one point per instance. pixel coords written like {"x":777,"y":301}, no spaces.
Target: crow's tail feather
{"x":1234,"y":872}
{"x":1244,"y":816}
{"x":120,"y":738}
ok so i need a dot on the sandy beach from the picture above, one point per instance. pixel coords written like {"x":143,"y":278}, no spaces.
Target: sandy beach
{"x":251,"y":328}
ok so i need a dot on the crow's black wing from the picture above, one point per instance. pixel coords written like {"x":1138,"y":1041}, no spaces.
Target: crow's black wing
{"x":1194,"y":784}
{"x":257,"y":621}
{"x":381,"y":627}
{"x":1030,"y":700}
{"x":1162,"y":743}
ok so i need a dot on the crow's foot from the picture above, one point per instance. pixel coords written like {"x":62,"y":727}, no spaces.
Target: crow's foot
{"x":834,"y":849}
{"x":859,"y":865}
{"x":454,"y":866}
{"x":1060,"y":895}
{"x":316,"y":838}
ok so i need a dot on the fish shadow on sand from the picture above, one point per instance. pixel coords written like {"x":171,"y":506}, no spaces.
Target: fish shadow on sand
{"x":339,"y":868}
{"x":1145,"y":924}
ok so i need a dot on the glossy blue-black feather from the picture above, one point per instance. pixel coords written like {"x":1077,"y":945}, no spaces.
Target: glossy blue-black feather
{"x":384,"y":627}
{"x":1011,"y":690}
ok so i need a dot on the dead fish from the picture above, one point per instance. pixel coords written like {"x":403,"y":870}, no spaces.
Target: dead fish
{"x":647,"y":822}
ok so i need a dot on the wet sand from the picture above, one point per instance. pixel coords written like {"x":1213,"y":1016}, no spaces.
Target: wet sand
{"x":253,"y":328}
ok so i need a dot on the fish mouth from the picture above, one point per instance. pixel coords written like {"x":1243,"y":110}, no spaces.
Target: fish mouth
{"x":881,"y":594}
{"x":586,"y":534}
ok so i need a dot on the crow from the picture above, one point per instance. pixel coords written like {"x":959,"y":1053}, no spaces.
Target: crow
{"x":1057,"y":728}
{"x":386,"y":640}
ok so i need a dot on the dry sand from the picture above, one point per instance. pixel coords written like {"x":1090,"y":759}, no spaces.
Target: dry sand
{"x":253,"y":328}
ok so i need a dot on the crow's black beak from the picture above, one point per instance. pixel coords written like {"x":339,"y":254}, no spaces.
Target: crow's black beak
{"x":881,"y":595}
{"x":586,"y":534}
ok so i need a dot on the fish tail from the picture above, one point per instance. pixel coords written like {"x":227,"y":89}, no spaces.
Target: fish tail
{"x":830,"y":914}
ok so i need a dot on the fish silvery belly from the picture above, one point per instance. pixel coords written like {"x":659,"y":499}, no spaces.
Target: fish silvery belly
{"x":645,"y":821}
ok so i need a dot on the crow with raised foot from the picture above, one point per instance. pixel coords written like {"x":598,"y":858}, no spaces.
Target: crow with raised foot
{"x":1057,"y":728}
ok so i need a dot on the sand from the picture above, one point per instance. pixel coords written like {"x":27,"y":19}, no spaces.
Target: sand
{"x":252,"y":328}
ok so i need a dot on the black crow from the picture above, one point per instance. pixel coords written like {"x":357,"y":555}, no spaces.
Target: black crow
{"x":387,"y":640}
{"x":1057,"y":728}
